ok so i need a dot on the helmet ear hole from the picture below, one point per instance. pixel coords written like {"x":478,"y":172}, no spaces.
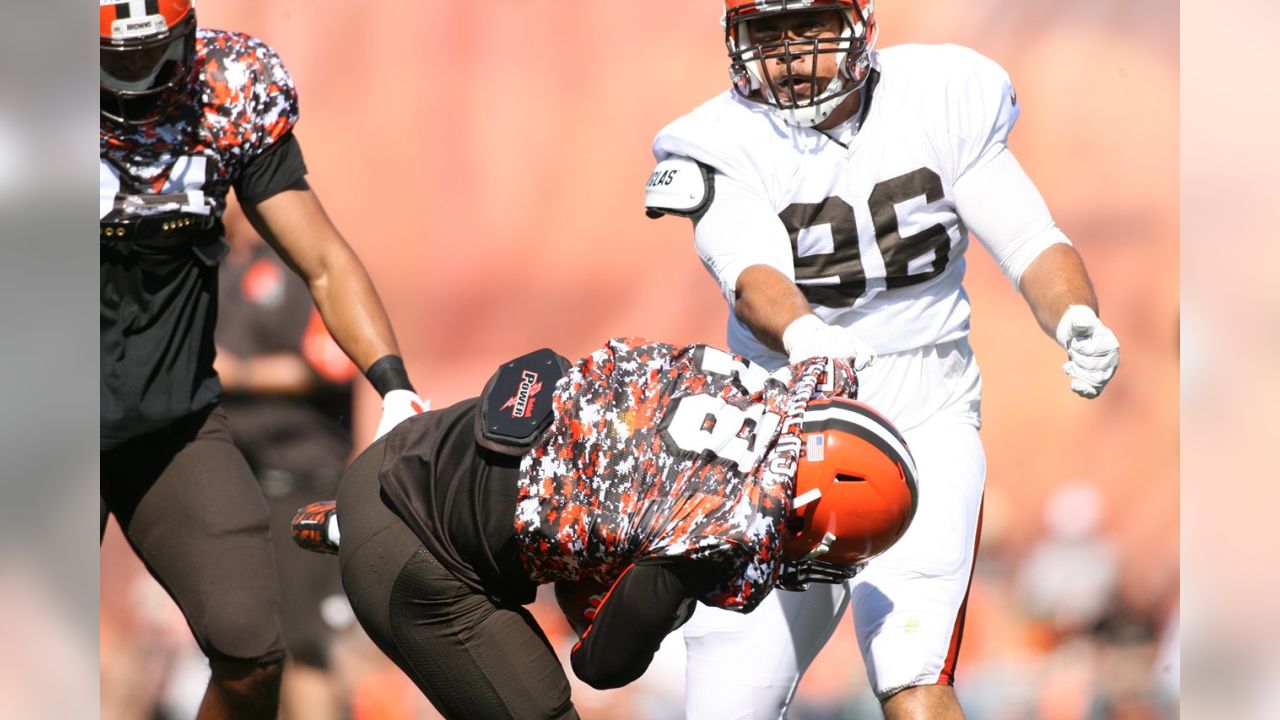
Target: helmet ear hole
{"x":795,"y":524}
{"x":845,"y":477}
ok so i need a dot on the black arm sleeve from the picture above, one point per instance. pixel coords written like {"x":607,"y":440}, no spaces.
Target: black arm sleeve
{"x":644,"y":605}
{"x":277,"y":168}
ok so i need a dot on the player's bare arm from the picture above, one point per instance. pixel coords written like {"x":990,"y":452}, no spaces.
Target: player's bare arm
{"x":1054,"y":281}
{"x":296,"y":225}
{"x":767,"y":302}
{"x":1003,"y":207}
{"x":780,"y":316}
{"x":1057,"y":288}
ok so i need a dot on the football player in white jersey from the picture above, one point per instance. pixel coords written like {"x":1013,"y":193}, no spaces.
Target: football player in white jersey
{"x":832,"y":191}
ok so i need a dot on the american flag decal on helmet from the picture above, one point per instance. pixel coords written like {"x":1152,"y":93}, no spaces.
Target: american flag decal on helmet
{"x":860,"y":420}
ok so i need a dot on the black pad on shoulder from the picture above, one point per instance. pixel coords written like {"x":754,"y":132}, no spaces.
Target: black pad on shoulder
{"x":515,"y":406}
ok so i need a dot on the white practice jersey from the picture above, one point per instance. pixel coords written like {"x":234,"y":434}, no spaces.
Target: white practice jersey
{"x":869,"y":232}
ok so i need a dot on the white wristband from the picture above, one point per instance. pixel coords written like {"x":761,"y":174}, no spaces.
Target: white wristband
{"x":1076,"y":316}
{"x":800,"y":327}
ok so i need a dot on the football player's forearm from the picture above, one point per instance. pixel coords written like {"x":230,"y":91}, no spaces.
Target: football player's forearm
{"x":295,"y":223}
{"x":767,"y":302}
{"x":1055,"y":280}
{"x":352,"y":311}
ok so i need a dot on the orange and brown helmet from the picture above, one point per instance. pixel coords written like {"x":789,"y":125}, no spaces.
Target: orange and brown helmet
{"x":855,"y":493}
{"x":751,"y":76}
{"x":145,"y":55}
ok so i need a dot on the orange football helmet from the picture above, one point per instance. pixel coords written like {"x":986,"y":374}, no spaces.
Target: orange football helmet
{"x":752,"y":78}
{"x":855,"y":493}
{"x":145,"y":56}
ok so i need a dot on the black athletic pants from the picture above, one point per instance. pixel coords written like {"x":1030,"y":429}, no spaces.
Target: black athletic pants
{"x":473,"y":657}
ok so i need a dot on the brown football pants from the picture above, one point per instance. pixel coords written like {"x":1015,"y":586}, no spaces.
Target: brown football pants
{"x":473,"y":657}
{"x":192,"y":511}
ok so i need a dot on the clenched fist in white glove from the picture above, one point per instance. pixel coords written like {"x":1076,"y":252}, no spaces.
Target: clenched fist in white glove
{"x":399,"y":405}
{"x":1093,"y":352}
{"x":808,"y":337}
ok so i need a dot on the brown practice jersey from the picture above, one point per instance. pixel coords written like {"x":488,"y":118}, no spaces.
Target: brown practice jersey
{"x":657,"y":451}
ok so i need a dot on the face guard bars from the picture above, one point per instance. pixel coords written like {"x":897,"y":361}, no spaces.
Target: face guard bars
{"x":851,"y":45}
{"x":170,"y":75}
{"x":798,"y":574}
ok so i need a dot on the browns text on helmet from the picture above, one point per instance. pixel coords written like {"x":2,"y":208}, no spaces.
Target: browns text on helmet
{"x":145,"y":51}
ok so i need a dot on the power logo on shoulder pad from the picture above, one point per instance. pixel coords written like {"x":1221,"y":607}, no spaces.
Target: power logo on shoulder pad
{"x":522,"y":402}
{"x":517,"y":402}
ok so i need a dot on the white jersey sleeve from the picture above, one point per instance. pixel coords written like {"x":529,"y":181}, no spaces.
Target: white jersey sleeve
{"x":993,"y":194}
{"x":982,"y":111}
{"x":737,"y":231}
{"x":739,"y":228}
{"x":1004,"y":209}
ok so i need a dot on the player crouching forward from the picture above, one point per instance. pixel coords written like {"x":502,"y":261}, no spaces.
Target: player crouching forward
{"x":642,"y":479}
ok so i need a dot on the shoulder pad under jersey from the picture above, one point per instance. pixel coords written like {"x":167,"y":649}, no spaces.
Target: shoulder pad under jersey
{"x":678,"y":186}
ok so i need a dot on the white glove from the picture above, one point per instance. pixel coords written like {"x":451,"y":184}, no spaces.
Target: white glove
{"x":808,"y":337}
{"x":1093,"y":352}
{"x":399,"y":405}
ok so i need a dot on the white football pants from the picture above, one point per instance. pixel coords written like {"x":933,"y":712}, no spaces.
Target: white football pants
{"x":908,"y":603}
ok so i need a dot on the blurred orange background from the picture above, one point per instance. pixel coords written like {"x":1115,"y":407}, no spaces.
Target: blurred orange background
{"x":487,"y":162}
